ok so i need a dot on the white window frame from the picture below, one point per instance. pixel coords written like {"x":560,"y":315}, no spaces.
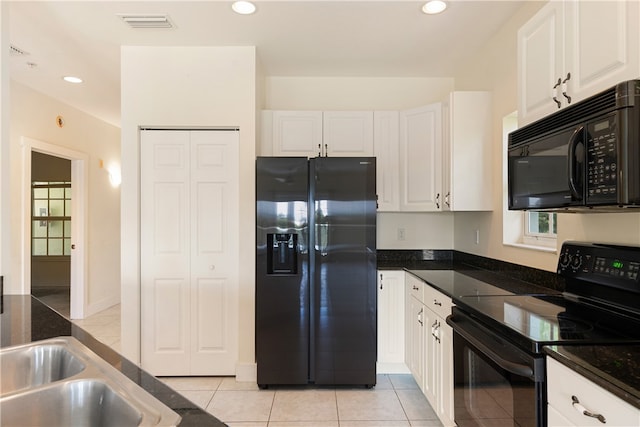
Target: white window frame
{"x":548,"y":239}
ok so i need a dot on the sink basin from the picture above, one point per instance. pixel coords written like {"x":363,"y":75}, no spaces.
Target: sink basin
{"x":61,"y":382}
{"x":27,"y":367}
{"x":72,"y":403}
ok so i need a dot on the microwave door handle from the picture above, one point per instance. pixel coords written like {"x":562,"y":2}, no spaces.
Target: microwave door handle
{"x":575,"y":139}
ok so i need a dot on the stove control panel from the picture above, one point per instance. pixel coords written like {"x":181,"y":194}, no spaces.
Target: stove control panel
{"x":609,"y":264}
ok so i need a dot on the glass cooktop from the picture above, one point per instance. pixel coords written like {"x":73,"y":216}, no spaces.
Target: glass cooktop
{"x":541,"y":320}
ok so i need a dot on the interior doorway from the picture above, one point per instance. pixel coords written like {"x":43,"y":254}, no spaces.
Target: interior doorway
{"x":51,"y":231}
{"x":36,"y":237}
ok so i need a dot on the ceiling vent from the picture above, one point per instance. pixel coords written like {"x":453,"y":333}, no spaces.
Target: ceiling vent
{"x":147,"y":21}
{"x":16,"y":51}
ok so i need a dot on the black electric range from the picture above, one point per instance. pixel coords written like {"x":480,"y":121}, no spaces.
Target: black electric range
{"x":601,"y":303}
{"x":498,"y":340}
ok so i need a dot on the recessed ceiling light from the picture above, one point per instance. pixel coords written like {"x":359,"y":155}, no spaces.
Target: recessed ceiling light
{"x":72,"y":79}
{"x":243,"y":7}
{"x":434,"y":6}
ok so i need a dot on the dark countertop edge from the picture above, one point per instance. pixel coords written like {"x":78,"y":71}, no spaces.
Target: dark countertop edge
{"x":50,"y":324}
{"x":612,"y":384}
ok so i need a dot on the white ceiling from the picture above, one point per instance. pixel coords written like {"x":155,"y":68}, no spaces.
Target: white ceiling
{"x":293,"y":38}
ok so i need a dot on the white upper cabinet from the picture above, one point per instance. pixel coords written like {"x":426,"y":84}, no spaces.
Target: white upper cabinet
{"x":421,"y":158}
{"x":466,"y":152}
{"x":296,"y":133}
{"x":317,"y":133}
{"x":571,"y":50}
{"x":347,"y":133}
{"x":386,"y":141}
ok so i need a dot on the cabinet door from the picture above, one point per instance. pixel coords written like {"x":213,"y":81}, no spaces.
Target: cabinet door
{"x":540,"y":63}
{"x":432,"y":359}
{"x":297,"y":133}
{"x":602,"y":45}
{"x":347,"y":133}
{"x":391,"y":318}
{"x":563,"y":384}
{"x":416,"y":359}
{"x":386,"y":146}
{"x":421,"y":158}
{"x":466,"y":152}
{"x":445,"y":402}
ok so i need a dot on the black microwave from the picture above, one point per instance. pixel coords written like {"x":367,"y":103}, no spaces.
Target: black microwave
{"x":584,"y":157}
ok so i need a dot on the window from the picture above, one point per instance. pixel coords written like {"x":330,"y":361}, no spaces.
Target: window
{"x":51,"y":219}
{"x":540,"y":228}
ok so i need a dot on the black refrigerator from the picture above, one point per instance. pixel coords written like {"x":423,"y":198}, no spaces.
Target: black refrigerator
{"x":316,"y":301}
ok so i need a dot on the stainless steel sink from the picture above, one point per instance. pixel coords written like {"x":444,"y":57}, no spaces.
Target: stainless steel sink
{"x":61,"y":382}
{"x":31,"y":366}
{"x":70,"y":403}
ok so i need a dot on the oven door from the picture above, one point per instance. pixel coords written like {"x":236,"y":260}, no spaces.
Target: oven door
{"x":548,"y":172}
{"x":495,"y":383}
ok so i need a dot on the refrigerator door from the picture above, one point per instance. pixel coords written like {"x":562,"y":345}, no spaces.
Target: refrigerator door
{"x":343,"y":262}
{"x":282,"y":271}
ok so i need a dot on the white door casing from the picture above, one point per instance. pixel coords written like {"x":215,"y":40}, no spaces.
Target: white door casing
{"x":79,"y":198}
{"x":189,"y":251}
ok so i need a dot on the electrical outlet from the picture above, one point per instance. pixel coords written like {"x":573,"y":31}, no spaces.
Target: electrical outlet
{"x":401,"y":233}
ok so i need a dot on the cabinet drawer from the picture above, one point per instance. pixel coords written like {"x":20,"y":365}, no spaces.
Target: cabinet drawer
{"x":436,"y":301}
{"x":563,"y":383}
{"x":415,"y":287}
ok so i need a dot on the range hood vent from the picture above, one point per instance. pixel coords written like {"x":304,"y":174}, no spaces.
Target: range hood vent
{"x":147,"y":21}
{"x":16,"y":51}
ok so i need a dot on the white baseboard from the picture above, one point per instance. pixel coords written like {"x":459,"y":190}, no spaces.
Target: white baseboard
{"x":98,"y":306}
{"x":246,"y":372}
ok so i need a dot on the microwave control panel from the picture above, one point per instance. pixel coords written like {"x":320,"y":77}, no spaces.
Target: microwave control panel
{"x":602,"y":167}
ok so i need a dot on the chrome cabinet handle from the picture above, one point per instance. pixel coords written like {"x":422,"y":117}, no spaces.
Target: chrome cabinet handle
{"x":415,"y":288}
{"x":555,"y":98}
{"x":564,"y":88}
{"x":446,"y":198}
{"x":420,"y":317}
{"x":438,"y":201}
{"x":578,"y":407}
{"x":380,"y":281}
{"x":436,"y":302}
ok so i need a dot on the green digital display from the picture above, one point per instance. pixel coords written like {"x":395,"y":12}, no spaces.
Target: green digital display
{"x":617,"y":264}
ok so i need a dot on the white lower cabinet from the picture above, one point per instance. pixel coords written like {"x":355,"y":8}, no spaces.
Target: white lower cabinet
{"x":570,"y":395}
{"x":429,"y":347}
{"x":391,"y":315}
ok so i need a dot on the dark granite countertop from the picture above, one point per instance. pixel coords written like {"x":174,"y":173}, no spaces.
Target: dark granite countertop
{"x":25,"y":319}
{"x":614,"y":368}
{"x":446,"y":283}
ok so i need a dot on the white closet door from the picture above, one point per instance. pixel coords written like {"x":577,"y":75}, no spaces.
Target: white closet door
{"x":165,"y":251}
{"x":189,"y":260}
{"x":214,"y":252}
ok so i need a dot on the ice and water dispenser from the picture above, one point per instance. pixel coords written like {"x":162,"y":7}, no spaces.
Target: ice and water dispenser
{"x":282,"y":253}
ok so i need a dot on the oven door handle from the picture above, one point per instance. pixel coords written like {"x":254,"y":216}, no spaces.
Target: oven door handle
{"x":470,"y":333}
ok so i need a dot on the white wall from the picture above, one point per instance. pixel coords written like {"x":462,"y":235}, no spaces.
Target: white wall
{"x":187,"y":87}
{"x":495,"y":69}
{"x":33,"y":115}
{"x":423,"y":230}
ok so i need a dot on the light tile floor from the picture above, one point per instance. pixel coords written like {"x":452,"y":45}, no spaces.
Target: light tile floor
{"x":396,"y":400}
